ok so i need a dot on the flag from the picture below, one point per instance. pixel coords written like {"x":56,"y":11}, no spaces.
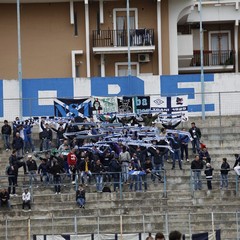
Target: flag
{"x":125,"y":105}
{"x":73,"y":107}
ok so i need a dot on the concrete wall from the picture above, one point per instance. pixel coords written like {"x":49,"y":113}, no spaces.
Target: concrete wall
{"x":221,"y":92}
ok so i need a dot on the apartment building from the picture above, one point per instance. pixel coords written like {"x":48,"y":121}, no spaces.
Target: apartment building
{"x":89,"y":38}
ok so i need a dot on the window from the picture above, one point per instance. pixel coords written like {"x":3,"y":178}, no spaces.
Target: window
{"x":121,"y":69}
{"x":120,"y":24}
{"x":219,"y":44}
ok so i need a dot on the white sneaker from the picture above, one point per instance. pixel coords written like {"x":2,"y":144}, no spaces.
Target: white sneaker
{"x":73,"y":182}
{"x":55,"y":192}
{"x":187,"y":160}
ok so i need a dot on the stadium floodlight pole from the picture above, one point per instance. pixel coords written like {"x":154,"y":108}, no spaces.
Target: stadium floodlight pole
{"x":201,"y":57}
{"x":19,"y":60}
{"x":128,"y":39}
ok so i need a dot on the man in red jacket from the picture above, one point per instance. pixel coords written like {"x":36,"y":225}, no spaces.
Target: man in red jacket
{"x":72,"y":162}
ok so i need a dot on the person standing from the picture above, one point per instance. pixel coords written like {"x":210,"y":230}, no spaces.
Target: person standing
{"x":196,"y":136}
{"x":6,"y":133}
{"x":46,"y":136}
{"x":225,"y":168}
{"x":196,"y":167}
{"x":72,"y":162}
{"x":56,"y":171}
{"x":184,"y":145}
{"x":26,"y":199}
{"x":124,"y":159}
{"x":18,"y":144}
{"x":80,"y":196}
{"x":209,"y":175}
{"x":32,"y":170}
{"x":176,"y":146}
{"x":98,"y":169}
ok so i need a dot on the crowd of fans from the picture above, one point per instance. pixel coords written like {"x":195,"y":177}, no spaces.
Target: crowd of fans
{"x":123,"y":154}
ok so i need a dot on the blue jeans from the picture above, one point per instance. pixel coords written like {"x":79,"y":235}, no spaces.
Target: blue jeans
{"x":136,"y":180}
{"x":197,"y":180}
{"x":6,"y":139}
{"x":224,"y":181}
{"x":57,"y":183}
{"x":125,"y":171}
{"x":195,"y":145}
{"x":99,"y":181}
{"x":156,"y":171}
{"x":32,"y":176}
{"x":177,"y":156}
{"x":80,"y":201}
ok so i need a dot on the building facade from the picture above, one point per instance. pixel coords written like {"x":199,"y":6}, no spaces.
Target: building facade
{"x":76,"y":48}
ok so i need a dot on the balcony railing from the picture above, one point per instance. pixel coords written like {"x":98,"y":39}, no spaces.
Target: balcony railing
{"x":118,"y":38}
{"x":213,"y":58}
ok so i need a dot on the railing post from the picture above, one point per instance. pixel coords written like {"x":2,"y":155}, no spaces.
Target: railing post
{"x":29,"y":228}
{"x":237,"y":177}
{"x":144,"y":224}
{"x":220,"y":116}
{"x":120,"y":185}
{"x":6,"y":228}
{"x":75,"y":224}
{"x":164,"y":184}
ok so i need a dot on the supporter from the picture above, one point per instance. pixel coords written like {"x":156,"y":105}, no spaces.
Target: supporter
{"x":196,"y":167}
{"x":46,"y":135}
{"x":72,"y":128}
{"x":196,"y":136}
{"x":27,"y":131}
{"x":115,"y":170}
{"x":86,"y":170}
{"x":175,"y":235}
{"x":225,"y":168}
{"x":32,"y":169}
{"x":176,"y":146}
{"x":56,"y":170}
{"x":184,"y":145}
{"x":60,"y":131}
{"x":6,"y":133}
{"x":26,"y":199}
{"x":204,"y":155}
{"x":80,"y":196}
{"x":11,"y":172}
{"x":124,"y":159}
{"x":72,"y":161}
{"x":147,"y":167}
{"x":15,"y":162}
{"x":42,"y":170}
{"x":157,"y":163}
{"x":134,"y":172}
{"x":98,"y":170}
{"x":5,"y":198}
{"x":149,"y":237}
{"x":18,"y":144}
{"x":159,"y":236}
{"x":209,"y":175}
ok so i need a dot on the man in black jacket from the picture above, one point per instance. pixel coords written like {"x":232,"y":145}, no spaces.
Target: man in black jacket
{"x":5,"y":198}
{"x":196,"y":136}
{"x":15,"y":162}
{"x":196,"y":167}
{"x":6,"y":133}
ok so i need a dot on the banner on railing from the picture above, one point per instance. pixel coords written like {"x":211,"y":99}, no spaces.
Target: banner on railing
{"x":86,"y":107}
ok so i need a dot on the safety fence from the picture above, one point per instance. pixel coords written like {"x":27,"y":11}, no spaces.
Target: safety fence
{"x":218,"y":104}
{"x":134,"y":227}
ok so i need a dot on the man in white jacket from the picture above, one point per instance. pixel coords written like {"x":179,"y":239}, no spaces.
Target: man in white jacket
{"x":26,"y":197}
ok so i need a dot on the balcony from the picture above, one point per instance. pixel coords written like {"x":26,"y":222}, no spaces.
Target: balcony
{"x":213,"y":61}
{"x":116,"y":41}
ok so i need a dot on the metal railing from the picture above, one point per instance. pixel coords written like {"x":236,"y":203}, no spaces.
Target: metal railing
{"x":118,"y":38}
{"x":110,"y":225}
{"x":214,"y":58}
